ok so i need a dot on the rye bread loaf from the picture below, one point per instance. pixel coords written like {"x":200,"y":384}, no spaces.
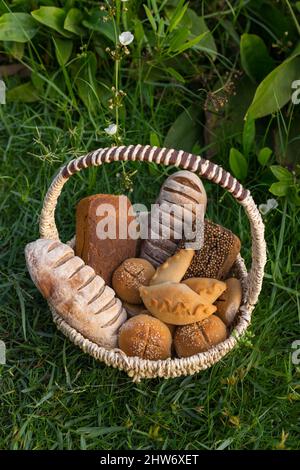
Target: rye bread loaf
{"x":75,"y":291}
{"x":217,"y":255}
{"x":104,"y":255}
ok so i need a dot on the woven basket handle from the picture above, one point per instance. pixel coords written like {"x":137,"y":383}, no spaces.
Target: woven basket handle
{"x":177,"y":158}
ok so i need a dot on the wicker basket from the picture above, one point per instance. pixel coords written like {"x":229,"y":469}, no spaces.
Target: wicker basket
{"x":251,"y":282}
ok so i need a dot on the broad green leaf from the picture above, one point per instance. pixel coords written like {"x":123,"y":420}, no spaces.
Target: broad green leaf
{"x":238,"y":164}
{"x":275,"y":90}
{"x":154,"y":139}
{"x":139,"y":32}
{"x":184,"y":132}
{"x":264,"y":155}
{"x":73,"y":21}
{"x":63,"y":50}
{"x":248,"y":135}
{"x":53,"y":17}
{"x":279,"y":189}
{"x":95,"y":23}
{"x":26,"y":93}
{"x":85,"y":80}
{"x":197,"y":26}
{"x":15,"y":49}
{"x":175,"y":74}
{"x":191,"y":43}
{"x":255,"y":57}
{"x":18,"y":27}
{"x":150,"y":18}
{"x":276,"y":18}
{"x":282,"y":174}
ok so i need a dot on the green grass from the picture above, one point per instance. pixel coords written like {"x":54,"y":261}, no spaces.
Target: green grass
{"x":55,"y":397}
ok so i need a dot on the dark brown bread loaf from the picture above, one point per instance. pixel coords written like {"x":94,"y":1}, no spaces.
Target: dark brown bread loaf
{"x":217,"y":255}
{"x":103,"y":255}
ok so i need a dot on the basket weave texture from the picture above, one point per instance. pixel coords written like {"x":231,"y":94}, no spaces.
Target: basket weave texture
{"x":251,"y":282}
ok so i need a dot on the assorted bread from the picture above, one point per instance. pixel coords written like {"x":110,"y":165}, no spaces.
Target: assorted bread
{"x":172,"y":300}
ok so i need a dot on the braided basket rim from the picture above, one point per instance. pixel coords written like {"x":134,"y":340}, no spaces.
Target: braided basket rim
{"x":135,"y":367}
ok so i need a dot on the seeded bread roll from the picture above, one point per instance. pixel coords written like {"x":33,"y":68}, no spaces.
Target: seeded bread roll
{"x":185,"y":194}
{"x":130,"y":276}
{"x":174,"y":268}
{"x":146,"y":337}
{"x":229,"y":302}
{"x":207,"y":288}
{"x":75,"y":291}
{"x":217,"y":255}
{"x":199,"y":337}
{"x":175,"y":303}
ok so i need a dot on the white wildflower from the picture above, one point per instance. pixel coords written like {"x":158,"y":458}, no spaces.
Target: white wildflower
{"x":265,"y":208}
{"x":112,"y":129}
{"x":126,"y":38}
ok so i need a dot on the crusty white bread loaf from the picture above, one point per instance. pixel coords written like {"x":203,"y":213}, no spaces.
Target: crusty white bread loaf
{"x":75,"y":291}
{"x":184,"y":193}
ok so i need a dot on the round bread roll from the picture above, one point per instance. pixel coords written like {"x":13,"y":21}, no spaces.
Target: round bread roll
{"x":146,"y":337}
{"x":130,"y":276}
{"x":199,"y":337}
{"x":229,"y":302}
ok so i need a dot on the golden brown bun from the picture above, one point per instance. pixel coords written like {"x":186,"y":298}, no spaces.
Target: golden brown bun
{"x":229,"y":302}
{"x":174,"y":268}
{"x":175,"y":303}
{"x":129,"y":277}
{"x":198,"y":337}
{"x":146,"y":337}
{"x":207,"y":288}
